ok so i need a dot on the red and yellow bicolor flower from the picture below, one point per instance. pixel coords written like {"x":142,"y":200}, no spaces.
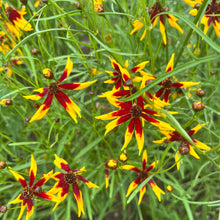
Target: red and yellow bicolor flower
{"x":185,"y":147}
{"x":134,"y":112}
{"x":155,"y":10}
{"x":142,"y":175}
{"x":17,"y":21}
{"x":167,"y":84}
{"x":64,"y":180}
{"x":211,"y":14}
{"x":56,"y":89}
{"x":121,"y":75}
{"x":30,"y":191}
{"x":154,"y":17}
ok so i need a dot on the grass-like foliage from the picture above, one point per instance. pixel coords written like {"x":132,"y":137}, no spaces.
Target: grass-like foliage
{"x":110,"y":109}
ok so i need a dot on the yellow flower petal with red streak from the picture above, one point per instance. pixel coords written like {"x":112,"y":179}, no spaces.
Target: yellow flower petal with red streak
{"x":68,"y":67}
{"x":17,"y":200}
{"x":144,"y":157}
{"x":111,"y":125}
{"x":131,"y":187}
{"x":111,"y":73}
{"x":157,"y":190}
{"x":79,"y":201}
{"x":106,"y":181}
{"x":163,"y":126}
{"x":177,"y":160}
{"x":172,"y":20}
{"x":16,"y":175}
{"x":141,"y":66}
{"x":127,"y":139}
{"x":137,"y":26}
{"x":155,"y":21}
{"x":142,"y":192}
{"x":30,"y":212}
{"x":33,"y":167}
{"x":140,"y":140}
{"x":193,"y":12}
{"x":91,"y":185}
{"x":40,"y":113}
{"x":188,"y":84}
{"x":127,"y":167}
{"x":108,"y":116}
{"x":153,"y":165}
{"x":22,"y":211}
{"x":109,"y":81}
{"x":85,"y":85}
{"x":58,"y":161}
{"x":170,"y":63}
{"x":193,"y":153}
{"x":201,"y":145}
{"x":197,"y":128}
{"x":163,"y":33}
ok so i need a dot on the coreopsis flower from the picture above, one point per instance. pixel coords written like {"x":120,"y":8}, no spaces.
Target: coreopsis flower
{"x":185,"y":146}
{"x":167,"y":84}
{"x":121,"y":75}
{"x":98,"y":5}
{"x":211,"y":14}
{"x":134,"y":112}
{"x":109,"y":165}
{"x":64,"y":180}
{"x":56,"y":89}
{"x":30,"y":191}
{"x":17,"y":21}
{"x":142,"y":175}
{"x":155,"y":10}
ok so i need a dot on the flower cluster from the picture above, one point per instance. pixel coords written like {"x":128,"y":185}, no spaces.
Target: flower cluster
{"x":61,"y":188}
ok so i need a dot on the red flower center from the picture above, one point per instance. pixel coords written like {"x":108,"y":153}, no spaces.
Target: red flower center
{"x":53,"y":88}
{"x":135,"y":111}
{"x":70,"y":177}
{"x":167,"y":84}
{"x":28,"y":192}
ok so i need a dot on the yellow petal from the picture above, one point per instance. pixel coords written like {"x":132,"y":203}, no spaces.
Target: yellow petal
{"x":33,"y":166}
{"x":201,"y":145}
{"x":142,"y":192}
{"x":193,"y":153}
{"x":157,"y":190}
{"x":58,"y":161}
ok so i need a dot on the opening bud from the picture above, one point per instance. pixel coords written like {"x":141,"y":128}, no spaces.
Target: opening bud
{"x":111,"y":164}
{"x":123,"y":157}
{"x":48,"y":74}
{"x":169,"y":188}
{"x":198,"y":106}
{"x":57,"y":120}
{"x":6,"y":102}
{"x":197,"y":5}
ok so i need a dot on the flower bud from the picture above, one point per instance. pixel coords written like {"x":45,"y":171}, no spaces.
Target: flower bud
{"x":3,"y":209}
{"x":27,"y":120}
{"x":183,"y":149}
{"x":2,"y":165}
{"x":48,"y":74}
{"x":166,"y":9}
{"x":111,"y":164}
{"x":198,"y":106}
{"x":57,"y":120}
{"x":123,"y":157}
{"x":79,"y":5}
{"x":38,"y":189}
{"x":200,"y":93}
{"x":45,"y":1}
{"x":213,"y":72}
{"x":128,"y":83}
{"x":197,"y":5}
{"x":169,"y":188}
{"x":108,"y":38}
{"x":34,"y":51}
